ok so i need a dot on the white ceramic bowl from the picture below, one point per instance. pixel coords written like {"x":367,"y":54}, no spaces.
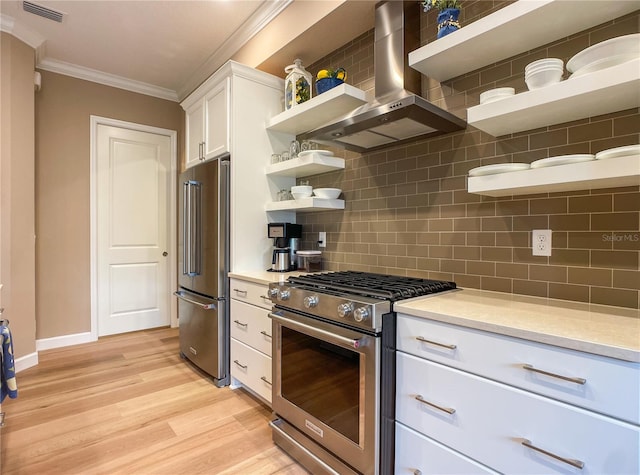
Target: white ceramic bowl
{"x":546,"y":62}
{"x":299,"y":196}
{"x":543,"y":78}
{"x":496,"y":94}
{"x":327,"y":193}
{"x":622,"y":48}
{"x":303,"y":191}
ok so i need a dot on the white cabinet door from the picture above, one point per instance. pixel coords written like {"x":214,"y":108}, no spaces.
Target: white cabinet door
{"x":488,"y":422}
{"x":416,"y":453}
{"x":251,"y":325}
{"x":217,"y":117}
{"x":195,"y":134}
{"x":251,"y":368}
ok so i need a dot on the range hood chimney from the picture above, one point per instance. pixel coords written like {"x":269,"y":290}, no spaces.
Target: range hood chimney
{"x":398,"y":113}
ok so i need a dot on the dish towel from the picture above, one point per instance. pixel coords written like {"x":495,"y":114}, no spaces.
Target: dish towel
{"x":8,"y":385}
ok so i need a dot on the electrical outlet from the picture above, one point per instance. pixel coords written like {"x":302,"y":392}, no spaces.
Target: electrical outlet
{"x":322,"y":239}
{"x":541,"y":242}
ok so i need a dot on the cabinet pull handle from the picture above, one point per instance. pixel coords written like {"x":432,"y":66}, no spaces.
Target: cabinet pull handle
{"x":444,"y":345}
{"x":243,"y":366}
{"x":265,"y":380}
{"x":240,"y":323}
{"x":448,"y":410}
{"x":417,"y":471}
{"x":265,"y":297}
{"x":240,"y":291}
{"x":265,"y":334}
{"x":528,"y":367}
{"x":572,"y":462}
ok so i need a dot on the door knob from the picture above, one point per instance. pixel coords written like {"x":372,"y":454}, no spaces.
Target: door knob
{"x":165,"y":253}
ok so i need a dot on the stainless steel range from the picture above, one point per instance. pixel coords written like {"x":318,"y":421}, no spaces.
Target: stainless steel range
{"x":334,"y":368}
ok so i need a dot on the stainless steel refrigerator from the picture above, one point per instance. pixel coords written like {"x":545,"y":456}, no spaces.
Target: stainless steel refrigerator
{"x":203,"y":283}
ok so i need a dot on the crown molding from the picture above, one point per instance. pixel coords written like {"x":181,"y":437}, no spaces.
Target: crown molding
{"x":24,"y":34}
{"x":107,"y":79}
{"x":242,"y":35}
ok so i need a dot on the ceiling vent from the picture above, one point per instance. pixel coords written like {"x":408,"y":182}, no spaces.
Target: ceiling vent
{"x":42,"y":11}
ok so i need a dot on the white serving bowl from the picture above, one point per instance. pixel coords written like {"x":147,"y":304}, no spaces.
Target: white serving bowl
{"x":546,"y":62}
{"x":299,"y":196}
{"x":622,"y":48}
{"x":303,"y":191}
{"x":543,"y":78}
{"x":327,"y":193}
{"x":496,"y":94}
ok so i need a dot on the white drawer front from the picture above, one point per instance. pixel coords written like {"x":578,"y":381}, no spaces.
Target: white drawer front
{"x":250,"y":292}
{"x":251,"y":368}
{"x":416,"y":453}
{"x":491,"y":420}
{"x":251,"y":325}
{"x":612,"y":386}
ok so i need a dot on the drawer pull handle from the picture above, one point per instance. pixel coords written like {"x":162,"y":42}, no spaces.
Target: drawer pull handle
{"x":265,"y":334}
{"x":265,"y":297}
{"x":417,"y":472}
{"x":572,"y":462}
{"x":444,"y":345}
{"x":238,"y":322}
{"x":243,"y":366}
{"x":265,"y":380}
{"x":240,"y":291}
{"x":448,"y":410}
{"x":528,"y":367}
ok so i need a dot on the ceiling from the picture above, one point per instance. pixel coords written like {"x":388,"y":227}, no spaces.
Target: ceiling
{"x":166,"y":48}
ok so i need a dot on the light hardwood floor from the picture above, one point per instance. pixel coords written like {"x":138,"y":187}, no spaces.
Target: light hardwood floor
{"x":128,"y":404}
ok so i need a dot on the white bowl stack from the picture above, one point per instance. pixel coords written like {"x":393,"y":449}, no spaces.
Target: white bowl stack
{"x":543,"y":72}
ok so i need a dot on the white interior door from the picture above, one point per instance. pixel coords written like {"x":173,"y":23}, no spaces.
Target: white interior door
{"x":133,"y":180}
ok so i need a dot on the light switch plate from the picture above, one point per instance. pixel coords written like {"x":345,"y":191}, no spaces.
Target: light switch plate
{"x":322,"y":239}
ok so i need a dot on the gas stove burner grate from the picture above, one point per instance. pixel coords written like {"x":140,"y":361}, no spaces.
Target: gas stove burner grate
{"x":382,"y":286}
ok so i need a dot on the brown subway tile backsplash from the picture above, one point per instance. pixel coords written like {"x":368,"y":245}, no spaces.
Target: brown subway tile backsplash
{"x":407,"y":210}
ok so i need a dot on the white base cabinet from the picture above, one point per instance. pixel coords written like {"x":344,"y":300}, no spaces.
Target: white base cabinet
{"x":418,"y":454}
{"x":250,"y":328}
{"x":467,"y":391}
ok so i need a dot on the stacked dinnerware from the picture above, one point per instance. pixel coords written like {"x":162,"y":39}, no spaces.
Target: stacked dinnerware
{"x":543,"y":72}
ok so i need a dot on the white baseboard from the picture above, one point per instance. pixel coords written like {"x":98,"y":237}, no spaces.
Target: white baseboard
{"x":64,"y":340}
{"x":26,"y":362}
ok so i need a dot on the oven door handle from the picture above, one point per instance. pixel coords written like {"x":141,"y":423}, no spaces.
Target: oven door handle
{"x":313,"y":331}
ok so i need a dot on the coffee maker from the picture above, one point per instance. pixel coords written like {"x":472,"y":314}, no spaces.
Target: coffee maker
{"x":286,"y":241}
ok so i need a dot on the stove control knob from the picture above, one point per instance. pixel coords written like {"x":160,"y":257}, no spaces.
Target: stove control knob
{"x":345,"y":309}
{"x":361,"y":314}
{"x":273,"y":293}
{"x":310,"y":301}
{"x":284,"y":294}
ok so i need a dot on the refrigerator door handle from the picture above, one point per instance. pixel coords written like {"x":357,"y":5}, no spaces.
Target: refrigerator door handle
{"x":186,"y":228}
{"x":206,"y":306}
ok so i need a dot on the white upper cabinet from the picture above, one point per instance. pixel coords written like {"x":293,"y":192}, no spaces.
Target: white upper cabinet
{"x":207,"y":125}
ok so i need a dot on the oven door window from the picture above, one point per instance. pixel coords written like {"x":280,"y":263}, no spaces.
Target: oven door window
{"x":322,"y":379}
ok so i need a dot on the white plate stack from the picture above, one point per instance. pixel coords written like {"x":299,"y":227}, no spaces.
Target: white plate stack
{"x":543,"y":72}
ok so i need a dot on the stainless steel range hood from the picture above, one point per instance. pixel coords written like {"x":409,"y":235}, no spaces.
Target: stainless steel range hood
{"x":398,"y":113}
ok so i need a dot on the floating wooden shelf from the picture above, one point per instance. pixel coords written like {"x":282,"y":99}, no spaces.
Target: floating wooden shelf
{"x":607,"y":173}
{"x":308,"y":165}
{"x":601,"y":92}
{"x":318,"y":110}
{"x":305,"y":204}
{"x":514,"y":29}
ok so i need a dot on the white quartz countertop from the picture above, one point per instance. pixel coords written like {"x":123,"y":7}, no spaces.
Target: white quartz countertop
{"x":597,"y":329}
{"x":263,"y":276}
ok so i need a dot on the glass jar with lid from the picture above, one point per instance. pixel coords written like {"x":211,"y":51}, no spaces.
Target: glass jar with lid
{"x":297,"y":85}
